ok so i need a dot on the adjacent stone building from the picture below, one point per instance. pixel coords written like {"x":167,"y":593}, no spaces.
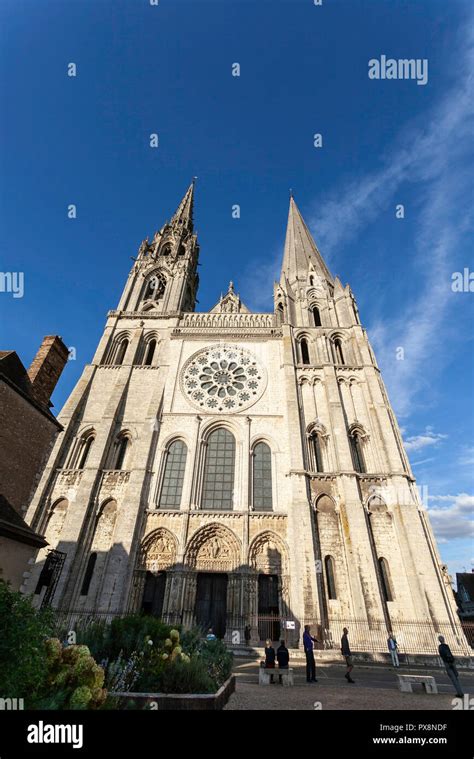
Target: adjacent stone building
{"x":27,"y":433}
{"x":231,"y":468}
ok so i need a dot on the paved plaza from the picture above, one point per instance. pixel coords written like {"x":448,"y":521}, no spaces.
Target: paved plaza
{"x":376,"y":687}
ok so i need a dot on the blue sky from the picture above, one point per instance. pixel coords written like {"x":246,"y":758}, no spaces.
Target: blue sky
{"x":166,"y":69}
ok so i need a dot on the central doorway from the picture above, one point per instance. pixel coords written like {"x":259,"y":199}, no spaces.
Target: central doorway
{"x":211,"y":602}
{"x":154,"y":593}
{"x":268,"y":608}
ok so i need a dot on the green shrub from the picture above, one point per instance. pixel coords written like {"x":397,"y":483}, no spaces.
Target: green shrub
{"x":23,"y":660}
{"x":74,"y":679}
{"x":185,"y":677}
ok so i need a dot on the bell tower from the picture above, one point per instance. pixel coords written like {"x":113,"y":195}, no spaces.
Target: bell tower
{"x":164,"y":276}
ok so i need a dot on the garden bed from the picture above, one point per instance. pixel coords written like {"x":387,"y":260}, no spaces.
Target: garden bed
{"x":178,"y":701}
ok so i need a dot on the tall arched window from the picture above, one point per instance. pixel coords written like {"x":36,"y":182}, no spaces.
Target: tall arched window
{"x":311,"y":280}
{"x":280,"y":313}
{"x":219,"y":466}
{"x":338,"y":355}
{"x":385,"y":580}
{"x":357,"y":452}
{"x":122,"y":349}
{"x":330,"y":577}
{"x":88,"y":575}
{"x":121,"y":451}
{"x":262,"y":499}
{"x":86,"y":445}
{"x":149,"y":352}
{"x":316,"y":453}
{"x":155,"y":287}
{"x":304,"y":351}
{"x":316,"y":316}
{"x":173,"y":477}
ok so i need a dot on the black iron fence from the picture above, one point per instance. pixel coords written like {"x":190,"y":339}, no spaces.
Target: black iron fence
{"x":413,"y":636}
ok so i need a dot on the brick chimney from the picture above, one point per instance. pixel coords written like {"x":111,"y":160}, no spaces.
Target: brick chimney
{"x":46,"y":367}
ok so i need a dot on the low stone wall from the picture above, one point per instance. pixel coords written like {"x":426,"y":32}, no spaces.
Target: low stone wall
{"x":180,"y":701}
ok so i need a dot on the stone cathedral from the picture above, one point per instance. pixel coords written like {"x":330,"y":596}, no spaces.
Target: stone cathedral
{"x":228,"y":468}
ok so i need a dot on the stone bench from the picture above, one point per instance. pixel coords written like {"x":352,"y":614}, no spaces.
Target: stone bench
{"x":406,"y":681}
{"x":264,"y":675}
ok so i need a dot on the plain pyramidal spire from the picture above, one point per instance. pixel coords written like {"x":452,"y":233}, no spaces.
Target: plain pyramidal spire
{"x":301,"y":252}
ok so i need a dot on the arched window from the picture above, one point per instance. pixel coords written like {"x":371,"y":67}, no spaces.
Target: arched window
{"x":166,"y":250}
{"x":311,"y":280}
{"x":149,"y":352}
{"x":88,"y":575}
{"x":330,"y":577}
{"x":218,"y":485}
{"x":262,"y":499}
{"x":356,"y":451}
{"x":173,"y":477}
{"x":338,"y":355}
{"x":280,"y":313}
{"x":304,"y":351}
{"x":315,"y":452}
{"x":182,"y":250}
{"x":385,"y":580}
{"x":121,"y":451}
{"x":316,"y":316}
{"x":122,"y":349}
{"x":85,"y":446}
{"x":155,"y":288}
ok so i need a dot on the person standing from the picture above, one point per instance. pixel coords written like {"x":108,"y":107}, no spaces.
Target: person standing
{"x":283,"y":658}
{"x":346,"y":652}
{"x":308,"y":641}
{"x":269,"y":658}
{"x":393,"y":649}
{"x":450,"y":665}
{"x":210,"y":635}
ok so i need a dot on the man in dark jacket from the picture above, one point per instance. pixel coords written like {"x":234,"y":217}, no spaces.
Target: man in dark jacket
{"x":283,"y":657}
{"x":308,"y":641}
{"x":450,"y":665}
{"x":346,"y":652}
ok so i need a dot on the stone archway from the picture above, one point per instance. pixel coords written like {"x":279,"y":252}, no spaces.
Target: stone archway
{"x":268,"y":559}
{"x":156,"y":561}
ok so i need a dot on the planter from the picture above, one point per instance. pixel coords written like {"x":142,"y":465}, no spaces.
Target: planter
{"x":181,"y":701}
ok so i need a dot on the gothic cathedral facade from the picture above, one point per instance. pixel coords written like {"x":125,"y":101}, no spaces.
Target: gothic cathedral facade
{"x":229,"y":467}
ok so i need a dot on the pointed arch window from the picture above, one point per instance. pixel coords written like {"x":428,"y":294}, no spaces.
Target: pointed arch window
{"x":280,"y":314}
{"x":357,"y":453}
{"x":385,"y":580}
{"x":84,"y":450}
{"x":338,"y":355}
{"x":173,"y":476}
{"x":311,"y":280}
{"x":121,"y":451}
{"x":330,"y":578}
{"x":88,"y":575}
{"x":304,"y":351}
{"x":219,"y":470}
{"x":155,"y":288}
{"x":122,"y":349}
{"x":149,"y":352}
{"x":316,"y":452}
{"x":262,"y":499}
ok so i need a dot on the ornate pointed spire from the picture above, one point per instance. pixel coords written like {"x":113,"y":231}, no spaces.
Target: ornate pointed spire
{"x":301,"y":252}
{"x":184,"y":212}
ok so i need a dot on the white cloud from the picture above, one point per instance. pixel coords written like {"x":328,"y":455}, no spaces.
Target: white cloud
{"x":467,"y":457}
{"x":427,"y":438}
{"x":432,"y":153}
{"x":455,"y":519}
{"x":257,"y":281}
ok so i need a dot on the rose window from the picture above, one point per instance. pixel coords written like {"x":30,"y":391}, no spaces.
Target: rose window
{"x":224,"y":379}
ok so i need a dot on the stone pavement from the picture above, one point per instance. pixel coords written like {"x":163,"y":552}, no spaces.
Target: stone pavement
{"x":375,"y":688}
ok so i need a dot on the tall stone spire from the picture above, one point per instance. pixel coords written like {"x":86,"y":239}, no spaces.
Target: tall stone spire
{"x":184,"y":213}
{"x":301,"y":253}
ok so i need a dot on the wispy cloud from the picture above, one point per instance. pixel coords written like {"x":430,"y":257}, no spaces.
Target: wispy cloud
{"x":257,"y":282}
{"x":433,"y":155}
{"x":427,"y":438}
{"x":454,"y":519}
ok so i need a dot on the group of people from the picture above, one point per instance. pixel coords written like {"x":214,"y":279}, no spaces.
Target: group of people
{"x":282,"y":656}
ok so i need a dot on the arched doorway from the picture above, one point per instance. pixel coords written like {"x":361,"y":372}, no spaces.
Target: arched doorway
{"x":211,"y":602}
{"x":154,"y":593}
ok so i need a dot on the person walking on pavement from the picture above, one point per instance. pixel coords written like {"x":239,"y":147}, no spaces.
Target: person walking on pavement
{"x":450,"y":665}
{"x":283,"y":658}
{"x":346,"y":652}
{"x":308,"y":641}
{"x":393,"y":649}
